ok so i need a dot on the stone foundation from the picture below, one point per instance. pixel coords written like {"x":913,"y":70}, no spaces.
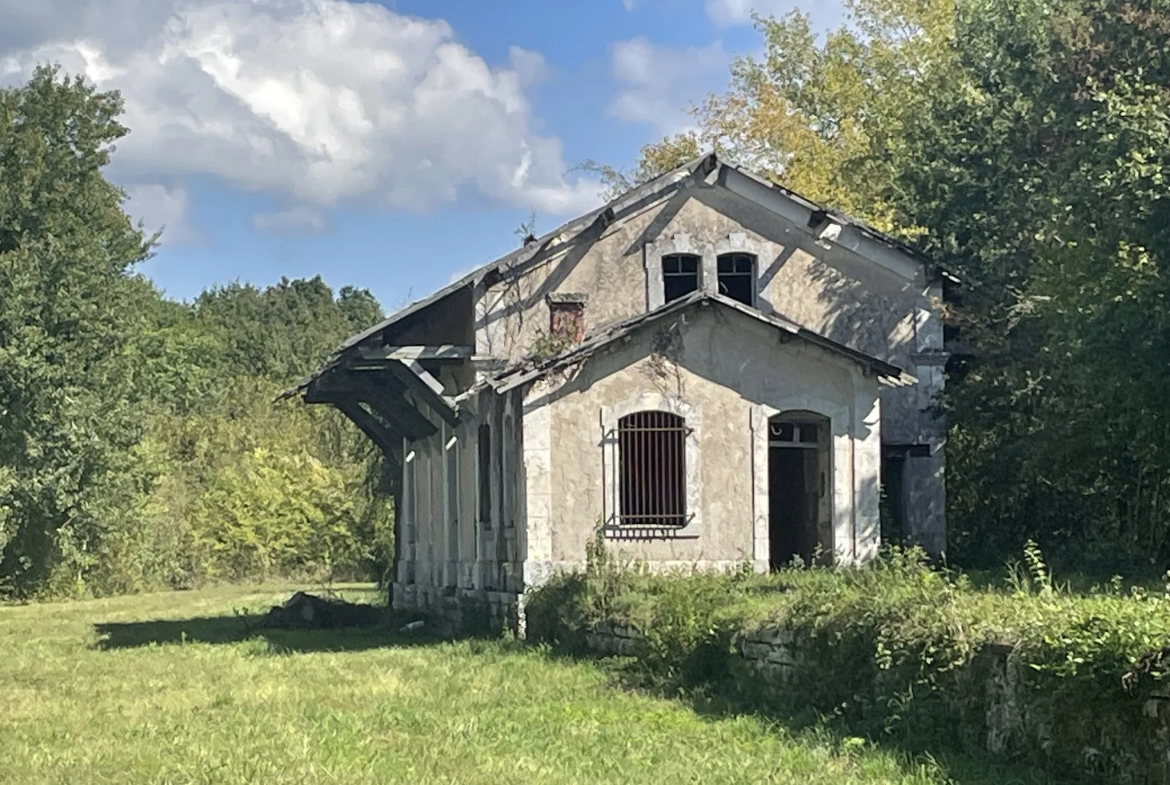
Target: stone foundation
{"x":451,"y":610}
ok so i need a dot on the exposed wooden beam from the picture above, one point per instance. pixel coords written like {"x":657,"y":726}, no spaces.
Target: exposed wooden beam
{"x":369,"y":425}
{"x":389,"y":402}
{"x":316,"y":392}
{"x":355,"y":388}
{"x":444,"y":353}
{"x":426,"y":387}
{"x":485,"y":362}
{"x":386,"y":441}
{"x":425,"y":375}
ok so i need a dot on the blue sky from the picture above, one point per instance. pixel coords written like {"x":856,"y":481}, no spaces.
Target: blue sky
{"x":390,"y":146}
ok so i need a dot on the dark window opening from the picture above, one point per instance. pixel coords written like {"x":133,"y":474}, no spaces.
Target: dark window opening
{"x":652,"y":469}
{"x":680,"y":276}
{"x":793,"y":432}
{"x":893,"y":506}
{"x":737,"y":277}
{"x":452,"y":505}
{"x":485,"y":474}
{"x":507,"y":461}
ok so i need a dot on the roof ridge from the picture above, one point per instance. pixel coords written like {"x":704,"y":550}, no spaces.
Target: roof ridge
{"x":702,"y":165}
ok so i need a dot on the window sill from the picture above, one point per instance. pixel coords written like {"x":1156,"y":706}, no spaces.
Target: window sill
{"x":630,"y":532}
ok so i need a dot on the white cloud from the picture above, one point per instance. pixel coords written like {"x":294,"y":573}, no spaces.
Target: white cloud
{"x":162,"y":208}
{"x":530,"y":66}
{"x":301,"y":219}
{"x":660,"y":83}
{"x":318,"y":102}
{"x":630,"y":5}
{"x":726,"y":13}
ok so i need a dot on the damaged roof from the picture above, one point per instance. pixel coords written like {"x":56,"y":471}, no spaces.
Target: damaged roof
{"x":630,"y":201}
{"x":533,"y":368}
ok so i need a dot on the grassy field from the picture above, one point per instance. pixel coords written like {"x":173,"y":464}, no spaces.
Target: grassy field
{"x":172,"y":688}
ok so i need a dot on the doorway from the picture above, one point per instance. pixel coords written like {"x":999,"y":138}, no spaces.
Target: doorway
{"x":798,"y":472}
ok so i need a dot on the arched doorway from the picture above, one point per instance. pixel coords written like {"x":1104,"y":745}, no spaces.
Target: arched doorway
{"x":799,"y":520}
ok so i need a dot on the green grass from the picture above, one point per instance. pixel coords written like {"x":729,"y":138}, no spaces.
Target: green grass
{"x":172,"y":688}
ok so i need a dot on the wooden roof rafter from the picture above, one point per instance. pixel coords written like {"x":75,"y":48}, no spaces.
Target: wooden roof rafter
{"x":383,"y":393}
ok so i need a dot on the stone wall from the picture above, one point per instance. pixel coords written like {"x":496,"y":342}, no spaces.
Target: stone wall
{"x":620,"y":639}
{"x":998,"y":711}
{"x":771,"y":652}
{"x":451,"y":610}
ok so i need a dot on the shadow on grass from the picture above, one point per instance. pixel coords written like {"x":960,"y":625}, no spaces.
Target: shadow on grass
{"x":716,"y":699}
{"x":931,"y":757}
{"x":241,"y":627}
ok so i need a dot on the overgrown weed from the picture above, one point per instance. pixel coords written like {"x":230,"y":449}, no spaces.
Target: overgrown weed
{"x":897,"y":650}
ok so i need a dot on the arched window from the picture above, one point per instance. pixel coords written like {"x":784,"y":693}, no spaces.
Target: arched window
{"x":652,"y":469}
{"x":737,"y":277}
{"x":680,"y":275}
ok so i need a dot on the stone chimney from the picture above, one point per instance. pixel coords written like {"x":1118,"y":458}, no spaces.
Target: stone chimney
{"x":566,"y":314}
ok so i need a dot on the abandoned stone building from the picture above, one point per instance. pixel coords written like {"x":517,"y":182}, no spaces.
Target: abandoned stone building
{"x":708,"y":370}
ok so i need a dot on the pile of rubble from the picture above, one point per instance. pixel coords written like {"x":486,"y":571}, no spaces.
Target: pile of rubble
{"x":309,"y":612}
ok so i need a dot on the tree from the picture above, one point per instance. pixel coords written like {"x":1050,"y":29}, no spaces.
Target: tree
{"x":655,"y":159}
{"x":66,"y":246}
{"x":827,"y":119}
{"x":139,"y":445}
{"x":1024,"y":144}
{"x":1067,"y":124}
{"x":280,"y":331}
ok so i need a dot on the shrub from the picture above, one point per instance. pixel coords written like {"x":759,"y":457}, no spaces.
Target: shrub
{"x":899,"y":649}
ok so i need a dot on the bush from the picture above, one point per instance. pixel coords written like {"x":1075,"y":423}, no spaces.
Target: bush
{"x":900,"y":650}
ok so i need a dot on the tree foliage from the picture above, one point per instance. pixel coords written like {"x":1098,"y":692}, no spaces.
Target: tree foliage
{"x":139,"y":446}
{"x":1024,"y":145}
{"x":66,"y":248}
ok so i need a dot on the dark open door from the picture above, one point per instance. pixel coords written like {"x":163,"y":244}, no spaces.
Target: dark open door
{"x":795,"y":485}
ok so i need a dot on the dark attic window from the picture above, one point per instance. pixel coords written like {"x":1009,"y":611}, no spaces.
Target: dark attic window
{"x":680,"y":276}
{"x":737,"y":277}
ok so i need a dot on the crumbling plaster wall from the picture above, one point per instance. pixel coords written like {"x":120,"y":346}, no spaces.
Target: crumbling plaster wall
{"x":731,"y":373}
{"x":827,"y":289}
{"x":893,"y":315}
{"x":512,"y":315}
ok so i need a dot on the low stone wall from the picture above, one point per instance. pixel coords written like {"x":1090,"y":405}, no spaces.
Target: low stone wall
{"x":771,"y":652}
{"x":1003,"y":716}
{"x":619,"y":639}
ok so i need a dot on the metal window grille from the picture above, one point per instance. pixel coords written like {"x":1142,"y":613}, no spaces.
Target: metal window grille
{"x":737,"y":276}
{"x":652,"y":469}
{"x":680,"y":275}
